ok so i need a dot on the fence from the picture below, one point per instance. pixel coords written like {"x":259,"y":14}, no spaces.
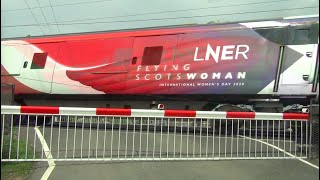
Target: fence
{"x":102,"y":134}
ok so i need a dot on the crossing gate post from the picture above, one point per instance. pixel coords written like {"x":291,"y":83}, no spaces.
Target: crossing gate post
{"x":314,"y":130}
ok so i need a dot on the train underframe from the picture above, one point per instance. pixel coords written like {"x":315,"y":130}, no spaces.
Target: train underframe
{"x":242,"y":103}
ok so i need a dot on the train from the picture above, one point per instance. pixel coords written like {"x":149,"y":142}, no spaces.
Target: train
{"x":264,"y":66}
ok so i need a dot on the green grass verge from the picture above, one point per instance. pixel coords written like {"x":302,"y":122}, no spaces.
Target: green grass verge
{"x":15,"y":170}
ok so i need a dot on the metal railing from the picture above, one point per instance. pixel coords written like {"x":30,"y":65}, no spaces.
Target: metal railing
{"x":101,"y":134}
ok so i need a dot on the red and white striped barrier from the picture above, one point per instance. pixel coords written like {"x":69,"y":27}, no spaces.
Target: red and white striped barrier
{"x":150,"y":113}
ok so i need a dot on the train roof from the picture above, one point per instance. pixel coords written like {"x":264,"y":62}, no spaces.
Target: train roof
{"x":167,"y":30}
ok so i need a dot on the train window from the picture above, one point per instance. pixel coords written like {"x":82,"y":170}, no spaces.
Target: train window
{"x":152,"y":55}
{"x":134,"y":60}
{"x":39,"y":60}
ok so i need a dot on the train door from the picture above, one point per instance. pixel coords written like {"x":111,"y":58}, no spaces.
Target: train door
{"x":37,"y":68}
{"x":298,"y":68}
{"x":11,"y":60}
{"x":302,"y":71}
{"x":151,"y":64}
{"x":94,"y":66}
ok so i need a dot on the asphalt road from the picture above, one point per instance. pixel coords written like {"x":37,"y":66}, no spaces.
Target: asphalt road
{"x":183,"y":170}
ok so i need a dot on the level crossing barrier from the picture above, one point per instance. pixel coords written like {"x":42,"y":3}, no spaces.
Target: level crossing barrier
{"x":34,"y":133}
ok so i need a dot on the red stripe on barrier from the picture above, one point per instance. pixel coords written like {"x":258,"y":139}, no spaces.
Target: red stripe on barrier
{"x":39,"y":109}
{"x":179,"y":113}
{"x":119,"y":112}
{"x":295,"y":116}
{"x":248,"y":115}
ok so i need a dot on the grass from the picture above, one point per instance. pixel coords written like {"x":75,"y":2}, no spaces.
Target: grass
{"x":15,"y":170}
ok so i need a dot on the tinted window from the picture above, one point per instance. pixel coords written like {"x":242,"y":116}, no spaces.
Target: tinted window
{"x":291,"y":35}
{"x":152,"y":55}
{"x":39,"y":60}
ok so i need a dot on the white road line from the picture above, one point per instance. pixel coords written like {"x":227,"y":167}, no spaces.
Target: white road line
{"x":300,"y":159}
{"x":48,"y":154}
{"x":46,"y":174}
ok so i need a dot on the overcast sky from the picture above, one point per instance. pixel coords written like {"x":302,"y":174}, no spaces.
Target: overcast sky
{"x":20,"y":18}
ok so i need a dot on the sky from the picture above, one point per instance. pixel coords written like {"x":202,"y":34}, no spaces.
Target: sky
{"x":21,"y":18}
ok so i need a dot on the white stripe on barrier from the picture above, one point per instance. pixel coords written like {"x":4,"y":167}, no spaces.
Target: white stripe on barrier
{"x":10,"y":109}
{"x":146,"y":113}
{"x":211,"y":114}
{"x":273,"y":116}
{"x":77,"y":111}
